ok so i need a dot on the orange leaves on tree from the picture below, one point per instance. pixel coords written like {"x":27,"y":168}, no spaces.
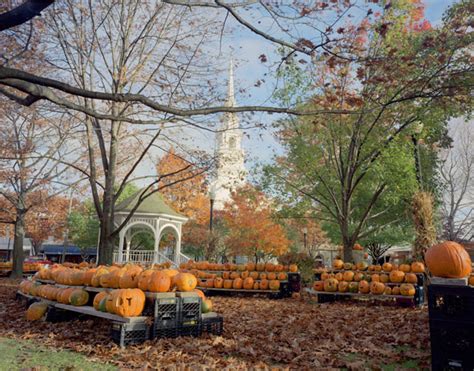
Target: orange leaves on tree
{"x":252,"y":231}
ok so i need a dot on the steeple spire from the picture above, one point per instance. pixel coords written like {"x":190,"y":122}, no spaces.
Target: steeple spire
{"x":230,"y":102}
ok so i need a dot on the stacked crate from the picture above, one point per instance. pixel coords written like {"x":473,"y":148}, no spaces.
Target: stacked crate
{"x":451,"y":314}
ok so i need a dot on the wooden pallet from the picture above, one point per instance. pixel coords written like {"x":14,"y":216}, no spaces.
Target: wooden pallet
{"x":358,"y":294}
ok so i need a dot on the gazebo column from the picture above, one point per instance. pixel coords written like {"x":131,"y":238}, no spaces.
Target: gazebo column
{"x":128,"y":243}
{"x":177,"y":252}
{"x":157,"y":245}
{"x":120,"y":249}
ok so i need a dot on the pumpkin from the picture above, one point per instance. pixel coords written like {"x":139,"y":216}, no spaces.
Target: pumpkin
{"x":471,"y":280}
{"x":274,"y":285}
{"x":254,"y":275}
{"x":95,"y":280}
{"x":34,"y":288}
{"x":237,"y":283}
{"x":256,"y":286}
{"x":260,"y":267}
{"x":357,"y":247}
{"x":264,"y":284}
{"x":206,"y":306}
{"x":348,"y":276}
{"x":170,"y":272}
{"x":296,"y":295}
{"x":377,"y":288}
{"x":362,"y":266}
{"x":371,"y":268}
{"x":358,"y":277}
{"x":185,"y":282}
{"x":282,"y":276}
{"x":407,"y":289}
{"x":375,"y":278}
{"x":251,"y":267}
{"x":263,"y":276}
{"x":396,"y":290}
{"x":343,"y":286}
{"x":160,"y":282}
{"x":200,"y":293}
{"x":325,"y":276}
{"x":364,"y":287}
{"x":218,"y":282}
{"x":397,"y":276}
{"x":226,"y":275}
{"x":271,"y":276}
{"x":36,"y":311}
{"x":210,"y":283}
{"x":448,"y":259}
{"x":228,"y":284}
{"x":64,"y":295}
{"x":79,"y":297}
{"x":128,"y":302}
{"x":378,"y":268}
{"x":269,"y":267}
{"x":387,"y":267}
{"x":318,"y":286}
{"x":411,"y":278}
{"x":353,"y":287}
{"x":347,"y":266}
{"x":388,"y":290}
{"x":241,"y":267}
{"x":234,"y":275}
{"x":404,"y":268}
{"x":338,"y":276}
{"x":417,"y":267}
{"x":245,"y":274}
{"x":337,"y":264}
{"x":76,"y":278}
{"x":384,"y":278}
{"x":129,"y":280}
{"x":248,"y":283}
{"x":331,"y":285}
{"x":278,"y":268}
{"x":97,"y":299}
{"x":293,"y":268}
{"x":88,"y":276}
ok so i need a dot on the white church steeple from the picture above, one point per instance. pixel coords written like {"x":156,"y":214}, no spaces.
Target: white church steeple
{"x":231,"y":172}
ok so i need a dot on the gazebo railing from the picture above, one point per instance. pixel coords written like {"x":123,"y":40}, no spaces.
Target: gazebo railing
{"x":141,"y":256}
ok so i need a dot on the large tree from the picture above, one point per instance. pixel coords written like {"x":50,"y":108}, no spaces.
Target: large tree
{"x":357,"y":170}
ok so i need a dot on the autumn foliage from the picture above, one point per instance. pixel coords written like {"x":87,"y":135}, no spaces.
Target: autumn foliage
{"x":252,"y":231}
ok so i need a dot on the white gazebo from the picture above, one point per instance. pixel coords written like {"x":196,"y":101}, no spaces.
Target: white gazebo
{"x":153,"y":216}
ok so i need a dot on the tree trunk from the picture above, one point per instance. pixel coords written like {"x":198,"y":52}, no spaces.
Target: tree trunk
{"x":106,"y":242}
{"x":18,"y":255}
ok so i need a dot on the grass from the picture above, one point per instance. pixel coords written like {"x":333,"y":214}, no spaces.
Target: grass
{"x":20,"y":355}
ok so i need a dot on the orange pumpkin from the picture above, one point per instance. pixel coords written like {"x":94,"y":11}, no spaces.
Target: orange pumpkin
{"x":293,"y":268}
{"x":362,"y":266}
{"x":226,"y":275}
{"x":358,"y":277}
{"x":234,"y":275}
{"x":160,"y":282}
{"x":448,"y":259}
{"x":337,"y":264}
{"x":318,"y":285}
{"x":343,"y":286}
{"x":282,"y":276}
{"x":407,"y":289}
{"x":263,"y":276}
{"x":97,"y":299}
{"x":378,"y":268}
{"x":364,"y":287}
{"x":338,"y":276}
{"x":347,"y":266}
{"x":387,"y":267}
{"x":248,"y":283}
{"x":396,"y":290}
{"x":254,"y":275}
{"x":375,"y":278}
{"x":272,"y":276}
{"x":384,"y":278}
{"x":278,"y":268}
{"x":331,"y":285}
{"x":256,"y":286}
{"x":269,"y":267}
{"x":417,"y":267}
{"x":79,"y":297}
{"x":388,"y":290}
{"x":185,"y":282}
{"x":128,"y":302}
{"x":144,"y":278}
{"x":264,"y":284}
{"x":251,"y":267}
{"x":129,"y":280}
{"x":377,"y":288}
{"x":471,"y":280}
{"x":405,"y":268}
{"x":237,"y":283}
{"x":228,"y":284}
{"x":210,"y":283}
{"x":36,"y":311}
{"x":411,"y":278}
{"x":260,"y":267}
{"x":325,"y":276}
{"x":218,"y":282}
{"x":348,"y":276}
{"x":274,"y":285}
{"x":244,"y":275}
{"x":397,"y":276}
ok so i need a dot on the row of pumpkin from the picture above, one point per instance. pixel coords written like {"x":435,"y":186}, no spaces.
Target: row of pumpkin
{"x":238,"y":283}
{"x":395,"y":276}
{"x":129,"y":276}
{"x":415,"y":267}
{"x":27,"y":267}
{"x":363,"y":287}
{"x":232,"y":275}
{"x":259,"y":267}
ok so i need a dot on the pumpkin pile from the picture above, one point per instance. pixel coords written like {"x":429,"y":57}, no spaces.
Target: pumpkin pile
{"x":73,"y":296}
{"x":250,"y":276}
{"x":123,"y":302}
{"x":27,"y":267}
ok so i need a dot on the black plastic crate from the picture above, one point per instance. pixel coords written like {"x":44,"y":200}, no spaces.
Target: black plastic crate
{"x":194,"y":330}
{"x":60,"y":315}
{"x":158,"y":332}
{"x":189,"y":311}
{"x":452,"y":345}
{"x":285,"y":290}
{"x":449,"y":302}
{"x":125,"y":334}
{"x":294,"y":277}
{"x":295,"y":286}
{"x":213,"y":325}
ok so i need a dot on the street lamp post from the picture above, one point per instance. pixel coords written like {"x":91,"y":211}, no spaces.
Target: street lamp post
{"x":305,"y":234}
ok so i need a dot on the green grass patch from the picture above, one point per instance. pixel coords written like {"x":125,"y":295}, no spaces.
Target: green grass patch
{"x":18,"y":355}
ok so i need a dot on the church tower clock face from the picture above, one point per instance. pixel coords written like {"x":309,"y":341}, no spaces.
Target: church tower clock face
{"x":230,"y":173}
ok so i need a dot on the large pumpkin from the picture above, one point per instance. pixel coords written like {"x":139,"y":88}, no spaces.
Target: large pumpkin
{"x":264,"y":284}
{"x":364,"y":287}
{"x":98,"y":298}
{"x":218,"y":282}
{"x":88,"y":276}
{"x":36,"y":311}
{"x":128,"y":302}
{"x":160,"y":282}
{"x":245,"y":274}
{"x":260,"y":267}
{"x":407,"y":289}
{"x":448,"y":259}
{"x":129,"y":280}
{"x":95,"y":280}
{"x":387,"y":267}
{"x":237,"y":283}
{"x":269,"y":267}
{"x":348,"y":276}
{"x":411,"y":278}
{"x":375,"y":278}
{"x":384,"y":278}
{"x":343,"y":286}
{"x":248,"y":283}
{"x":337,"y":264}
{"x":331,"y":285}
{"x":274,"y":285}
{"x":358,"y":277}
{"x":251,"y":266}
{"x":234,"y":275}
{"x":318,"y":285}
{"x":397,"y":276}
{"x":271,"y":276}
{"x":79,"y":297}
{"x":228,"y":284}
{"x":254,"y":275}
{"x":64,"y":295}
{"x":377,"y":288}
{"x":185,"y":282}
{"x":144,"y":278}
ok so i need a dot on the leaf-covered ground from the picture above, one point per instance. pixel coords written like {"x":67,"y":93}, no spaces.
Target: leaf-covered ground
{"x":258,"y":333}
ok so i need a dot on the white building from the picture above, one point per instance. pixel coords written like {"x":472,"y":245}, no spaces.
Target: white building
{"x":230,"y":172}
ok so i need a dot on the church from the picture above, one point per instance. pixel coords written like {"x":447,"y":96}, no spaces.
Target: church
{"x":230,"y":170}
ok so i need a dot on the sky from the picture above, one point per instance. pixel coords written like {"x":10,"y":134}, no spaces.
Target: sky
{"x":245,"y":48}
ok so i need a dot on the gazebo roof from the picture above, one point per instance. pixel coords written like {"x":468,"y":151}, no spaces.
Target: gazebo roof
{"x":154,"y":204}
